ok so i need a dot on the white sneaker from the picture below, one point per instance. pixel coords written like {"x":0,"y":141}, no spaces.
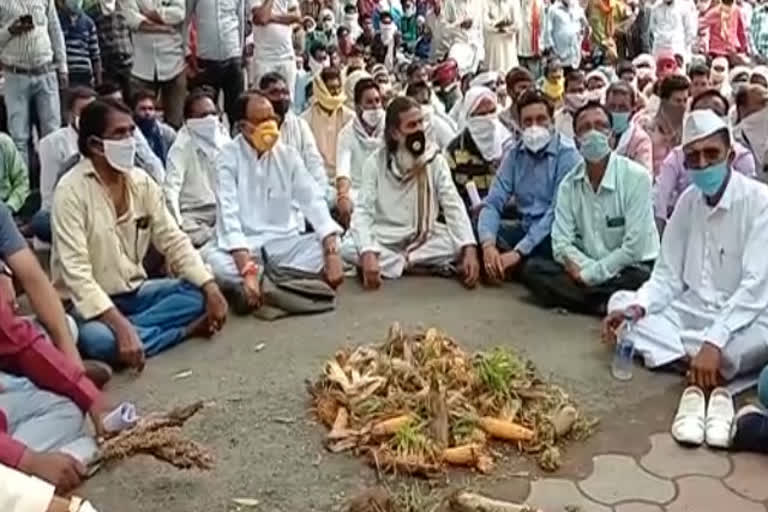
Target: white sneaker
{"x":720,"y":413}
{"x":689,"y":423}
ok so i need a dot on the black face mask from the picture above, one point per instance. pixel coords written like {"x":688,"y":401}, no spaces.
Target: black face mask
{"x":416,"y":143}
{"x":281,"y":107}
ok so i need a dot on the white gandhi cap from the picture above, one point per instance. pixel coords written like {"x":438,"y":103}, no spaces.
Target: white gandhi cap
{"x":700,"y":124}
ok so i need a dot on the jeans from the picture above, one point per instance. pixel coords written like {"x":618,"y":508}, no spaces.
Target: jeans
{"x":226,"y":76}
{"x":510,"y":234}
{"x":40,"y":226}
{"x":160,"y":310}
{"x":40,"y":91}
{"x":172,"y":93}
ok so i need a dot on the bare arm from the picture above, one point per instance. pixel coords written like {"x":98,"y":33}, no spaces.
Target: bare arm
{"x":241,"y":257}
{"x":263,"y":13}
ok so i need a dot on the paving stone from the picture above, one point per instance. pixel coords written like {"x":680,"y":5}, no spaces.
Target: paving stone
{"x":618,"y":478}
{"x":638,"y":507}
{"x":697,"y":493}
{"x":556,"y":494}
{"x":748,"y":477}
{"x":670,"y":460}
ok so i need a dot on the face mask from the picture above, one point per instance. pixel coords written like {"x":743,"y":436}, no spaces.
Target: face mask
{"x":575,"y":100}
{"x":596,"y":94}
{"x":373,"y":117}
{"x":620,"y":122}
{"x":594,"y":146}
{"x":410,"y":11}
{"x":388,"y":32}
{"x":120,"y":154}
{"x":205,"y":128}
{"x":317,"y":66}
{"x":415,"y":143}
{"x":74,"y":5}
{"x":264,"y":136}
{"x":328,"y":26}
{"x":536,"y":137}
{"x":281,"y":107}
{"x":483,"y":132}
{"x":710,"y":179}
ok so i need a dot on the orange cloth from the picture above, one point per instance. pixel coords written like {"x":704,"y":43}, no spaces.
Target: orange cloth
{"x":535,"y":27}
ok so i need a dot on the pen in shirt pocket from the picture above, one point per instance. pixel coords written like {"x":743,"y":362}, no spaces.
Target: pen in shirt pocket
{"x":722,"y":255}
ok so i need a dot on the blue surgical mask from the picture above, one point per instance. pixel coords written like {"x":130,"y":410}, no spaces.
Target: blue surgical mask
{"x":594,"y":146}
{"x":620,"y":122}
{"x":710,"y":179}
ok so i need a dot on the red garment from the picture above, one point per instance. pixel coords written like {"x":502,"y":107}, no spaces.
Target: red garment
{"x":735,"y":39}
{"x":25,"y":351}
{"x":365,"y":8}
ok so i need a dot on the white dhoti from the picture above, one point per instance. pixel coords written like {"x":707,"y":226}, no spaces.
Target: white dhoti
{"x":303,"y":253}
{"x":438,"y":252}
{"x":677,"y":332}
{"x":45,"y":421}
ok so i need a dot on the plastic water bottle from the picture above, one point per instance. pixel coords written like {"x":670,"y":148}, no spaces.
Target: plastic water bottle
{"x":621,"y":368}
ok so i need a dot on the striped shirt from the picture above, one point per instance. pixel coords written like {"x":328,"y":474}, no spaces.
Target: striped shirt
{"x":114,"y":39}
{"x":81,"y":42}
{"x":42,"y":45}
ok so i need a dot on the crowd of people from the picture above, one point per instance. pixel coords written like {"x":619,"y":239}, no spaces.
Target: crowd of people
{"x":185,"y":158}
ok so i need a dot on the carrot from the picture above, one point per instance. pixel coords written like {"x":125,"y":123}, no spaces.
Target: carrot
{"x":391,"y":426}
{"x":465,"y":455}
{"x":506,"y":430}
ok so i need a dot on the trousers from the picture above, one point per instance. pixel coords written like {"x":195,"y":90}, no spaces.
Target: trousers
{"x":22,"y":94}
{"x":222,"y":76}
{"x":160,"y":310}
{"x":172,"y":93}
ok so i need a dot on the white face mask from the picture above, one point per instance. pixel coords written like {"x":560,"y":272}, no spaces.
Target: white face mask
{"x":483,"y":131}
{"x":204,"y":128}
{"x":536,"y":137}
{"x":317,"y":66}
{"x":373,"y":117}
{"x":388,"y":32}
{"x":120,"y":154}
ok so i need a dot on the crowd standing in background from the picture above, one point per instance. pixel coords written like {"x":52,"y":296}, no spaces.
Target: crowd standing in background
{"x":184,"y":158}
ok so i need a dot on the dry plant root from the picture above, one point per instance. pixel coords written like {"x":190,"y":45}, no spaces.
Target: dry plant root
{"x":159,"y":435}
{"x":506,"y":430}
{"x":470,"y":502}
{"x":391,"y":426}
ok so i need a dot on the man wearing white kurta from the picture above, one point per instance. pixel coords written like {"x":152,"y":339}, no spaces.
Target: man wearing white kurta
{"x":707,"y":298}
{"x":404,"y":186}
{"x":258,"y":180}
{"x":189,"y":177}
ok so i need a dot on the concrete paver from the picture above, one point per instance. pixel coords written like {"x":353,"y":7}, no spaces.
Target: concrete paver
{"x":556,"y":494}
{"x":637,"y":507}
{"x":670,"y":460}
{"x":748,"y":476}
{"x":617,"y":478}
{"x":699,"y":493}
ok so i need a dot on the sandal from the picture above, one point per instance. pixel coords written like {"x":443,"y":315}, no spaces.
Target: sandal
{"x":720,"y":415}
{"x":689,"y":423}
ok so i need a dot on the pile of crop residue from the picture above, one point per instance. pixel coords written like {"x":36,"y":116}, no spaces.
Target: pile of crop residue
{"x":418,"y":403}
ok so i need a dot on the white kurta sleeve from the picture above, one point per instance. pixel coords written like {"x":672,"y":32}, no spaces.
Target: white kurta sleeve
{"x":313,"y":161}
{"x":455,"y":212}
{"x":666,"y":281}
{"x":751,"y":297}
{"x":229,"y":229}
{"x":311,"y":200}
{"x":23,"y":493}
{"x":363,"y":225}
{"x":174,"y":178}
{"x":344,"y":153}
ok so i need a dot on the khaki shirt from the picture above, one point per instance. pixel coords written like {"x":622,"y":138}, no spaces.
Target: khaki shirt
{"x":96,"y":255}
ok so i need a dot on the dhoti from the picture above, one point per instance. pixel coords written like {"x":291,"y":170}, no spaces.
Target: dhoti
{"x":678,"y":332}
{"x":438,"y":253}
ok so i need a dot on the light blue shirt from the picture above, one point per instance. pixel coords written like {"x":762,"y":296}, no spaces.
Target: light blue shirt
{"x":607,"y":230}
{"x":564,"y":33}
{"x":532,"y":179}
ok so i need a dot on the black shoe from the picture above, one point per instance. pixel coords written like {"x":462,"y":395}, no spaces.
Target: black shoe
{"x":750,"y":430}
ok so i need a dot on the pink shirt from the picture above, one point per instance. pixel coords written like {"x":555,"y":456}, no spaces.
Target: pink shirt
{"x":736,"y":38}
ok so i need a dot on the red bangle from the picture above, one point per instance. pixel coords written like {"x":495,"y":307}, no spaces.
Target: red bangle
{"x":249,"y":268}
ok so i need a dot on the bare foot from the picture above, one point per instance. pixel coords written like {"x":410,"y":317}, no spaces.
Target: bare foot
{"x":199,"y":328}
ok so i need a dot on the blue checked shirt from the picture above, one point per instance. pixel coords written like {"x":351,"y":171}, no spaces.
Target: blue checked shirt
{"x":758,"y":30}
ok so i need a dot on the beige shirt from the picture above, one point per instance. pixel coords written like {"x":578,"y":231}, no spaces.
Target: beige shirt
{"x":95,"y":254}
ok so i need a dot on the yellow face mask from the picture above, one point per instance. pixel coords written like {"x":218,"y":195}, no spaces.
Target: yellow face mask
{"x":265,"y":135}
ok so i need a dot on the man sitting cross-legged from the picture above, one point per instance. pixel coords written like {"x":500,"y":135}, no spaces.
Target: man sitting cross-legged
{"x":189,"y":179}
{"x":106,"y":213}
{"x":707,"y":297}
{"x":395,"y":226}
{"x":259,"y":179}
{"x":530,"y":173}
{"x":603,"y":238}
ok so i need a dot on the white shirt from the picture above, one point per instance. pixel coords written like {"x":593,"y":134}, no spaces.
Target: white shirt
{"x":158,"y":56}
{"x":23,"y":493}
{"x":525,"y":39}
{"x":220,"y":27}
{"x":189,"y":173}
{"x":296,"y":133}
{"x":56,"y":149}
{"x":274,"y":41}
{"x":564,"y":32}
{"x":386,"y":213}
{"x":42,"y":45}
{"x":351,"y":154}
{"x":256,"y":196}
{"x":673,"y":27}
{"x":714,"y":258}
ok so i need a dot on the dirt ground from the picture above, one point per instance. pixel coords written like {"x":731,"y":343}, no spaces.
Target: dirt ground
{"x":269,"y":449}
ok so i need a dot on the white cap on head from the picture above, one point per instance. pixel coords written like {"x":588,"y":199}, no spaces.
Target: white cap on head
{"x":700,"y":124}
